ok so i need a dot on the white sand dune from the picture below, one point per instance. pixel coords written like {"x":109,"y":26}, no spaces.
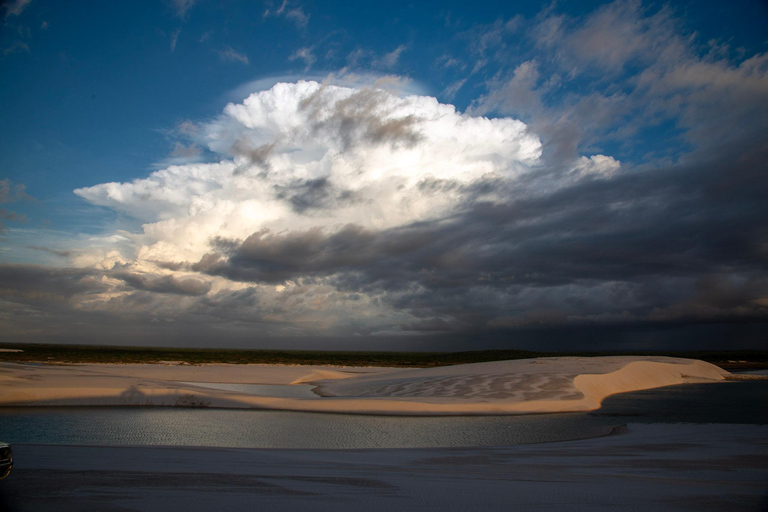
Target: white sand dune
{"x":556,"y":384}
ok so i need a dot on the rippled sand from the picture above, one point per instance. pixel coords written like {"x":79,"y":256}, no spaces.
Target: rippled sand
{"x":500,"y":387}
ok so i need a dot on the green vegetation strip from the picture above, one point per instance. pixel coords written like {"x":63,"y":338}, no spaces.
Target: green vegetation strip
{"x":128,"y":355}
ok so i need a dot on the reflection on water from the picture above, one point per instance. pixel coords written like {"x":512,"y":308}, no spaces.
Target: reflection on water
{"x":720,"y":402}
{"x":280,"y":429}
{"x":732,"y":402}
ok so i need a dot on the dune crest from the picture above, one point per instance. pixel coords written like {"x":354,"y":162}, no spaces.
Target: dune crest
{"x":639,"y":375}
{"x":554,"y":384}
{"x":317,"y":375}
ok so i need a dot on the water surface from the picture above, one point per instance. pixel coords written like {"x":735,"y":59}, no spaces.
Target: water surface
{"x":729,"y":402}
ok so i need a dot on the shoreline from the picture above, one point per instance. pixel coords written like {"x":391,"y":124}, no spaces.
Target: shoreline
{"x":614,"y":430}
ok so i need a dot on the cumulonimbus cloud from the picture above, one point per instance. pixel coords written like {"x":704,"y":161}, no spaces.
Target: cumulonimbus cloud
{"x":347,"y":211}
{"x":306,"y":155}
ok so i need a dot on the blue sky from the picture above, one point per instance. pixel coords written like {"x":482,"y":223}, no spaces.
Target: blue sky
{"x":653,"y":112}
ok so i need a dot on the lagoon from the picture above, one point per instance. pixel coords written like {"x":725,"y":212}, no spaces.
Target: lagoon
{"x":725,"y":402}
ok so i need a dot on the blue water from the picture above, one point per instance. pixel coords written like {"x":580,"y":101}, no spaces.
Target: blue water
{"x":733,"y":402}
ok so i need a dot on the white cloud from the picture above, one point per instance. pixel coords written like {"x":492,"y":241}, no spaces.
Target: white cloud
{"x":230,"y":55}
{"x":296,"y":14}
{"x":182,"y":6}
{"x":642,"y":68}
{"x":299,"y":165}
{"x":175,"y":39}
{"x":398,"y":85}
{"x":304,"y":54}
{"x":15,"y":7}
{"x":390,"y":59}
{"x":597,"y":165}
{"x":369,"y":149}
{"x":18,"y":46}
{"x":450,"y":91}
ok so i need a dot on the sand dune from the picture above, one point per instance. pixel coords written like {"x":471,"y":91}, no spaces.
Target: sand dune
{"x":502,"y":387}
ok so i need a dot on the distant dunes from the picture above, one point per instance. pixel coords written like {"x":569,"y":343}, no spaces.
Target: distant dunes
{"x":552,"y":384}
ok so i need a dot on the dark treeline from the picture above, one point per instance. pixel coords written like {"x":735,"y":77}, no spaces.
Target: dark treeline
{"x":113,"y":354}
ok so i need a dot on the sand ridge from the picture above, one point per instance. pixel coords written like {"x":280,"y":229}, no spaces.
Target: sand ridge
{"x":556,"y":384}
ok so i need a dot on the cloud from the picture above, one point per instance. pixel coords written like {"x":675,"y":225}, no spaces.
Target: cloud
{"x":185,"y":153}
{"x":10,"y":193}
{"x":295,"y":14}
{"x":332,"y":200}
{"x":609,"y":75}
{"x":362,"y":208}
{"x":175,"y":38}
{"x":361,"y":57}
{"x":182,"y":7}
{"x":298,"y":16}
{"x":389,"y":60}
{"x":29,"y":283}
{"x":300,"y":161}
{"x":15,"y":7}
{"x":17,"y":46}
{"x":56,"y":252}
{"x":228,"y":54}
{"x":452,"y":89}
{"x":719,"y":296}
{"x":164,"y":284}
{"x":447,"y":61}
{"x":187,"y":128}
{"x":361,"y":154}
{"x":597,"y":165}
{"x":8,"y":215}
{"x":304,"y":54}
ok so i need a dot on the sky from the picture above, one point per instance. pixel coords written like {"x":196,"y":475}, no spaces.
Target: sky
{"x":385,"y":176}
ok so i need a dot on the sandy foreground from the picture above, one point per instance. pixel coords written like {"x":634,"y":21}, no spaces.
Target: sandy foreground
{"x":652,"y":467}
{"x":560,"y":384}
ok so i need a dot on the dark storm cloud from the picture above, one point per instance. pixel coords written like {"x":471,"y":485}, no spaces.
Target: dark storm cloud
{"x":33,"y":282}
{"x":275,"y":258}
{"x":164,"y":284}
{"x":642,"y":245}
{"x":79,"y":305}
{"x":46,"y":283}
